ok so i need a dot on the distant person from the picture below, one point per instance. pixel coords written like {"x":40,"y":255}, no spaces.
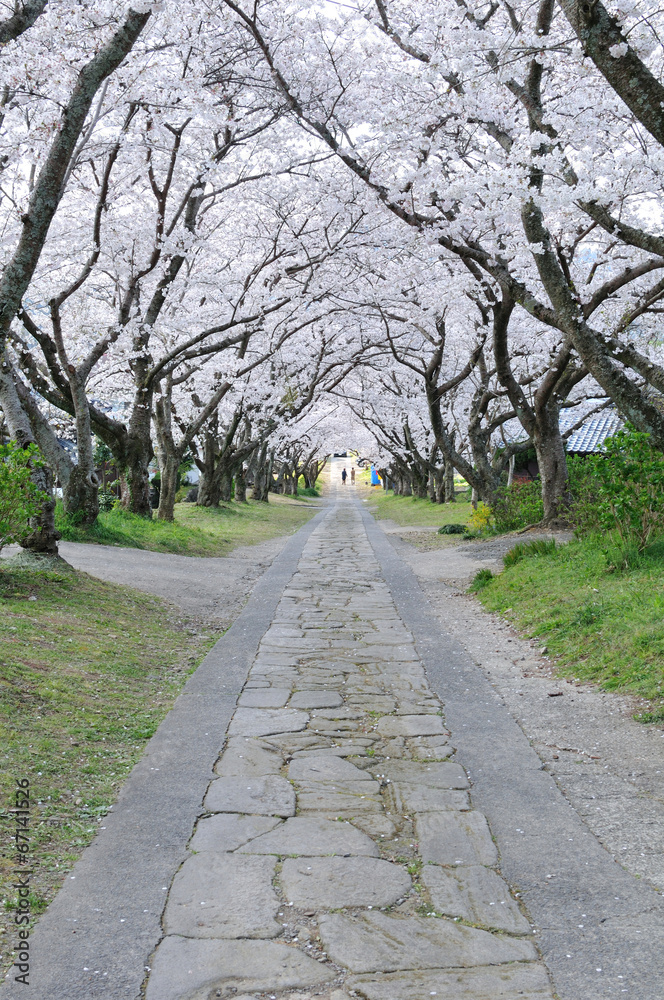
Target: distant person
{"x":344,"y":476}
{"x":352,"y":476}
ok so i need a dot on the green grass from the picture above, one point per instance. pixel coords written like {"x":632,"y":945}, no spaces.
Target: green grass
{"x":196,"y":531}
{"x":411,"y":511}
{"x":599,"y":624}
{"x":87,"y":671}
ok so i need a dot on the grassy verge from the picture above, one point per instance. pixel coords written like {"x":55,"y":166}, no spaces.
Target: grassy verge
{"x":196,"y":531}
{"x":599,"y":624}
{"x":87,"y":672}
{"x":411,"y":511}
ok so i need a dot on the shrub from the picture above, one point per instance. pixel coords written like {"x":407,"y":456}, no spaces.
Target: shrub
{"x":480,"y":518}
{"x":630,"y":488}
{"x":517,"y":506}
{"x":452,"y":529}
{"x":584,"y":489}
{"x":20,"y":498}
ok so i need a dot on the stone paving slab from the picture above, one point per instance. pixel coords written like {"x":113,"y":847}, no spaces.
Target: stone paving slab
{"x":376,"y":942}
{"x":228,"y":831}
{"x":449,"y":838}
{"x":312,"y":836}
{"x":316,"y":699}
{"x":475,"y":894}
{"x":248,"y":758}
{"x":271,"y":795}
{"x":223,"y":896}
{"x":411,"y":798}
{"x":512,"y":982}
{"x":263,"y":722}
{"x":189,"y":969}
{"x":434,"y":775}
{"x":335,"y":803}
{"x":326,"y":767}
{"x":330,"y":883}
{"x":411,"y":725}
{"x":269,"y":697}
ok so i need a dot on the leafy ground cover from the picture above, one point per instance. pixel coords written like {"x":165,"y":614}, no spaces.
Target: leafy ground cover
{"x":196,"y":531}
{"x":87,"y":672}
{"x":600,"y":621}
{"x":412,"y":511}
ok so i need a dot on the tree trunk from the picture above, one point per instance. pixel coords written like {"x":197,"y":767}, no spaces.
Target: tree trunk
{"x":240,"y":484}
{"x":225,"y":475}
{"x":552,"y":462}
{"x":80,"y":497}
{"x":419,"y":484}
{"x":268,"y":481}
{"x":259,"y":472}
{"x":450,"y":494}
{"x":262,"y":475}
{"x":81,"y":494}
{"x":135,"y":478}
{"x":510,"y":474}
{"x":43,"y":538}
{"x":56,"y":457}
{"x":169,"y":480}
{"x":292,"y":482}
{"x":206,"y":468}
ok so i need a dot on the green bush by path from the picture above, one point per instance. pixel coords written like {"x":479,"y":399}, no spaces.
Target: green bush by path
{"x":517,"y":506}
{"x":87,"y":672}
{"x":601,"y":625}
{"x":20,"y":498}
{"x":628,"y":489}
{"x":196,"y":531}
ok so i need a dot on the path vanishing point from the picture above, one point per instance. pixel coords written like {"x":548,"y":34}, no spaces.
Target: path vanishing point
{"x":340,"y":805}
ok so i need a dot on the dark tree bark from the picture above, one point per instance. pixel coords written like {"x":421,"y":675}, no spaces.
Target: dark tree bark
{"x":448,"y":481}
{"x":240,"y":484}
{"x":168,"y":472}
{"x":628,"y":75}
{"x":54,"y":454}
{"x":23,"y":18}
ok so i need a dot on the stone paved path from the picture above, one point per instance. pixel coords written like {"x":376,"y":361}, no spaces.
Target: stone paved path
{"x":339,"y":854}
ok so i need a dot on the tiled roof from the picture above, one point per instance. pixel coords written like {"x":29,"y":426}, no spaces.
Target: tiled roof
{"x":588,"y":438}
{"x":592,"y":435}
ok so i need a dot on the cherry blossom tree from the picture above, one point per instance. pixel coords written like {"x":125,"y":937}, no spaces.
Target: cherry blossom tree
{"x":106,"y":39}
